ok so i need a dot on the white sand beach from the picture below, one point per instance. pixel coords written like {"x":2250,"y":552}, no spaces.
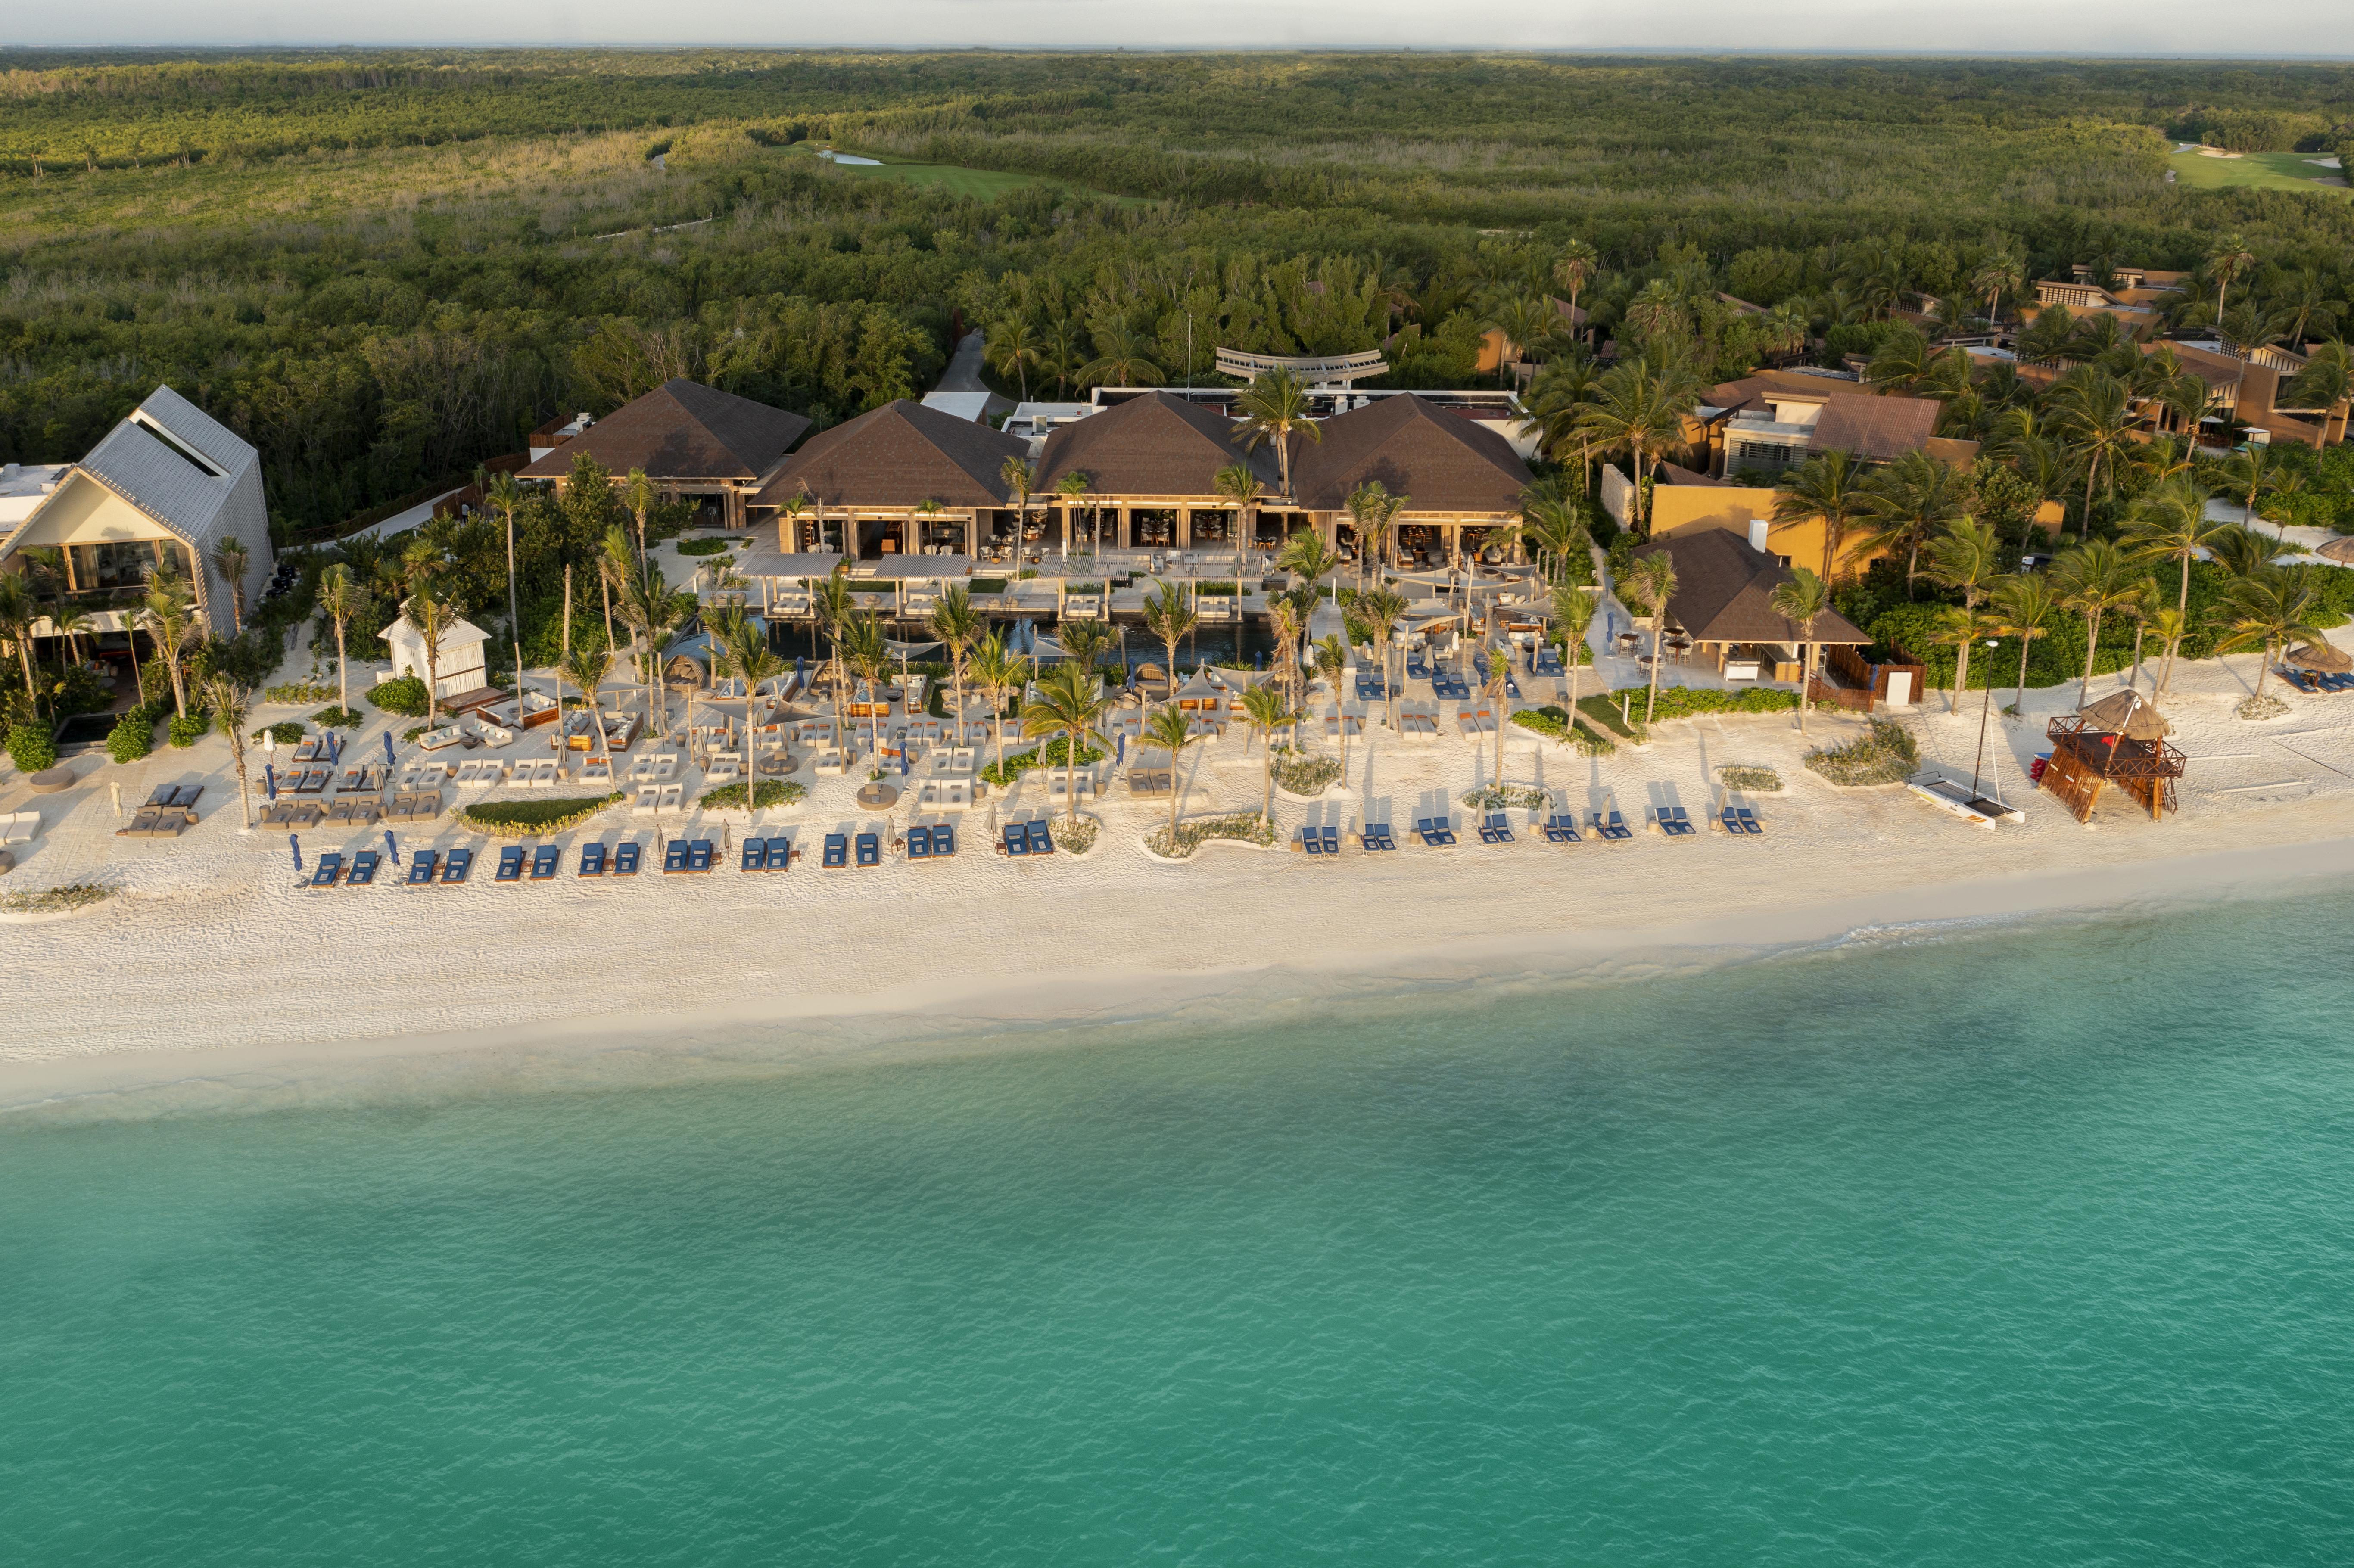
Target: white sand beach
{"x":214,"y":957}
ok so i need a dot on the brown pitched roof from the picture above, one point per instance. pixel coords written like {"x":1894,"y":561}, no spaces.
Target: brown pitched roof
{"x":1441,"y":461}
{"x":902,"y":454}
{"x":1153,"y":445}
{"x":1724,"y":589}
{"x":1873,"y":427}
{"x":683,"y":430}
{"x":1759,"y":387}
{"x":2129,"y":714}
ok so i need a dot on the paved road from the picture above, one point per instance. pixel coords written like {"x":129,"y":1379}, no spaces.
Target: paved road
{"x":963,"y":374}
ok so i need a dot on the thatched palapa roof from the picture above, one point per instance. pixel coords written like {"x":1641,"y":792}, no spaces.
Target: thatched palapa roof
{"x":2129,"y":714}
{"x":2325,"y":657}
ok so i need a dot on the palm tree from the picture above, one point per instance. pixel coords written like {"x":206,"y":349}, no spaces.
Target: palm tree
{"x":2141,"y":607}
{"x":2243,"y":551}
{"x":1172,"y":730}
{"x":1380,"y":611}
{"x":1307,"y":554}
{"x":2247,"y":474}
{"x":1013,"y":348}
{"x":1497,"y":690}
{"x":1999,"y":275}
{"x":2171,"y":626}
{"x":1800,"y":599}
{"x":789,"y":517}
{"x":2273,"y":607}
{"x":167,"y":617}
{"x":833,"y":605}
{"x":230,"y":556}
{"x":2093,"y":580}
{"x":1238,"y":484}
{"x":746,"y":650}
{"x":1575,"y":267}
{"x":1523,"y":321}
{"x":1963,"y":559}
{"x":2169,"y":521}
{"x":1651,"y":583}
{"x":73,"y":624}
{"x":1960,"y":627}
{"x":1557,"y":395}
{"x":1284,"y":619}
{"x":17,"y":613}
{"x":1070,"y":698}
{"x":1275,"y":406}
{"x":638,"y":491}
{"x":339,"y":600}
{"x":955,"y":622}
{"x":996,"y":670}
{"x":1372,"y":511}
{"x":2096,"y":417}
{"x":1555,"y":529}
{"x":1331,"y":657}
{"x":2021,"y":605}
{"x":1913,"y":501}
{"x":651,"y":611}
{"x":1121,"y":357}
{"x":2227,"y":257}
{"x":1266,"y":711}
{"x":1169,"y":615}
{"x":2326,"y":383}
{"x":231,"y":704}
{"x":868,"y":651}
{"x":587,"y":666}
{"x":1089,"y":642}
{"x":431,"y":618}
{"x":1070,"y":487}
{"x":1019,"y":474}
{"x":1638,"y":411}
{"x":1831,"y":486}
{"x":504,"y":494}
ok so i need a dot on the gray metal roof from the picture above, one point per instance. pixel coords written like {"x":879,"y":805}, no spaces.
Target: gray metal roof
{"x":142,"y":467}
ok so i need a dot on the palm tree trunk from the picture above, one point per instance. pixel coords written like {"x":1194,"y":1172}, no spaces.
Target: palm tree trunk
{"x":2019,"y":693}
{"x":2091,"y":646}
{"x":1659,"y":625}
{"x":2139,"y":630}
{"x":342,"y":672}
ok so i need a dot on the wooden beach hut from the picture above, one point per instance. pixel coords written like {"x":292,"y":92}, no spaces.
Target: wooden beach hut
{"x":2120,"y":741}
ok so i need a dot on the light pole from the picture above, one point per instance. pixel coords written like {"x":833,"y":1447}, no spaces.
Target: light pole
{"x":1986,"y":706}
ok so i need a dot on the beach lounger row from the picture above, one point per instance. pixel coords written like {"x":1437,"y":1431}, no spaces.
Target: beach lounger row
{"x":422,"y":776}
{"x":543,"y":774}
{"x":654,"y":767}
{"x":1376,"y":838}
{"x":1496,"y":829}
{"x":1030,"y":838}
{"x":1741,"y":821}
{"x":1318,"y":839}
{"x":2313,"y":683}
{"x":623,"y":859}
{"x":154,"y":822}
{"x":362,"y":776}
{"x":1610,"y":827}
{"x":840,"y":848}
{"x":1547,"y":661}
{"x":292,"y":814}
{"x":1435,"y":832}
{"x":414,"y":806}
{"x":309,"y":781}
{"x":330,"y":870}
{"x":653,"y":797}
{"x":937,"y":841}
{"x":1672,"y":821}
{"x":480,"y":773}
{"x":354,"y":812}
{"x":1370,"y":689}
{"x":180,"y":797}
{"x":1560,"y":830}
{"x":688,"y":857}
{"x":767,"y":855}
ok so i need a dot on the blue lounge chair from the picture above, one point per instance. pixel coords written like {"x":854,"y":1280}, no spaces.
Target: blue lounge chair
{"x":780,"y":853}
{"x":1417,"y":668}
{"x":364,"y":866}
{"x":1549,"y":661}
{"x":756,"y":856}
{"x":1511,"y":687}
{"x":1312,"y":840}
{"x":1749,"y":822}
{"x":457,"y":866}
{"x":2298,"y":679}
{"x":837,"y":851}
{"x":1042,"y":838}
{"x":545,"y":862}
{"x":943,"y":841}
{"x":920,"y":844}
{"x":1375,"y":837}
{"x":1331,"y":840}
{"x":1017,"y":839}
{"x":1496,"y":829}
{"x":700,"y":854}
{"x":1682,"y":821}
{"x":1561,"y":830}
{"x":328,"y":872}
{"x":510,"y":863}
{"x":2329,"y":683}
{"x":1730,"y":820}
{"x":675,"y":858}
{"x":422,"y":864}
{"x":1612,"y":827}
{"x":626,"y":856}
{"x":592,"y":859}
{"x":1435,"y":831}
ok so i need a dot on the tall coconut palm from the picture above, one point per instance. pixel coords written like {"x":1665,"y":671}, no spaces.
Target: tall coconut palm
{"x":2227,"y":257}
{"x":996,"y":670}
{"x":868,"y":653}
{"x":2141,"y":607}
{"x":1265,"y":710}
{"x":652,"y":612}
{"x":2021,"y":605}
{"x":2170,"y":626}
{"x":1801,"y":599}
{"x":833,"y":604}
{"x":1238,"y":484}
{"x":2093,"y":580}
{"x":170,"y":620}
{"x":1498,"y":688}
{"x":1380,"y":611}
{"x":1019,"y":474}
{"x":638,"y":491}
{"x":2243,"y":551}
{"x":1122,"y":358}
{"x":1013,"y":348}
{"x":503,"y":496}
{"x":432,"y":620}
{"x":1553,"y":529}
{"x":1372,"y":512}
{"x":2247,"y":474}
{"x":1089,"y":642}
{"x":746,"y":652}
{"x":1071,"y":487}
{"x":1574,"y":610}
{"x":1557,"y":397}
{"x":1070,"y":698}
{"x":1639,"y":411}
{"x":1169,"y":615}
{"x":18,"y":613}
{"x":230,"y":556}
{"x":231,"y":704}
{"x":1575,"y":267}
{"x":1831,"y":486}
{"x":73,"y":624}
{"x":958,"y":624}
{"x":2094,"y":416}
{"x":2325,"y":383}
{"x":1914,"y":501}
{"x":1651,"y":583}
{"x":1523,"y":322}
{"x":1332,"y":656}
{"x":789,"y":522}
{"x":1307,"y":554}
{"x":1171,"y":730}
{"x":1276,"y":406}
{"x":339,"y":601}
{"x":1998,"y":275}
{"x":586,"y":666}
{"x":1286,"y":622}
{"x":1962,"y":558}
{"x":2273,"y":607}
{"x":2169,"y":523}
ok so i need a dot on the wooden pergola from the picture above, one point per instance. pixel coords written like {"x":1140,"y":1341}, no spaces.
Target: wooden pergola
{"x":2121,"y":740}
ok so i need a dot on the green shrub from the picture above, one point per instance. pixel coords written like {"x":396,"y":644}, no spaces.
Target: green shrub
{"x":1300,"y":773}
{"x":1554,"y":723}
{"x":1054,"y":754}
{"x":338,"y":718}
{"x":1074,"y":836}
{"x":703,"y":546}
{"x":189,"y":727}
{"x":1744,"y":776}
{"x":1504,"y":797}
{"x":404,"y":695}
{"x":31,"y":748}
{"x":300,"y":692}
{"x":528,"y":819}
{"x":1888,"y":754}
{"x":132,"y":736}
{"x":1247,"y":827}
{"x":1685,"y":701}
{"x":772,"y":792}
{"x":288,"y":733}
{"x":80,"y":690}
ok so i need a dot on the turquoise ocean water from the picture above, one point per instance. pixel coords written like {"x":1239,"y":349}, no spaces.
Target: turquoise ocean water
{"x":2024,"y":1245}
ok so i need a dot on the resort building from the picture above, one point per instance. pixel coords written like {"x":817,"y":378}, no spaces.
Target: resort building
{"x":901,"y":480}
{"x":1777,"y":420}
{"x":457,"y":674}
{"x":1722,"y":613}
{"x":1461,"y":479}
{"x":1147,"y":472}
{"x":162,"y":493}
{"x":692,"y":440}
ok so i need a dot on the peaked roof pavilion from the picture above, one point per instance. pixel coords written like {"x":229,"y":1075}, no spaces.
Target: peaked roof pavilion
{"x":900,"y":455}
{"x":1440,"y":461}
{"x":682,"y":431}
{"x":1153,"y":445}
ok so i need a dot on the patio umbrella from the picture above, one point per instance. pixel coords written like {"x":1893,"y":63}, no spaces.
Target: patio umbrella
{"x":294,"y":843}
{"x":2325,"y":658}
{"x":269,"y":781}
{"x":387,"y":749}
{"x":2339,"y":550}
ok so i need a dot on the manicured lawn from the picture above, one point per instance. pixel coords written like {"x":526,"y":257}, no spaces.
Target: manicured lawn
{"x":2267,"y":171}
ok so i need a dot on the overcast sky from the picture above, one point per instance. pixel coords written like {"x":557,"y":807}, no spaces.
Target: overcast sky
{"x":2272,"y":29}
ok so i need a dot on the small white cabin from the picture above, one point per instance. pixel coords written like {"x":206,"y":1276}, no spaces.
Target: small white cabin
{"x":457,"y":667}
